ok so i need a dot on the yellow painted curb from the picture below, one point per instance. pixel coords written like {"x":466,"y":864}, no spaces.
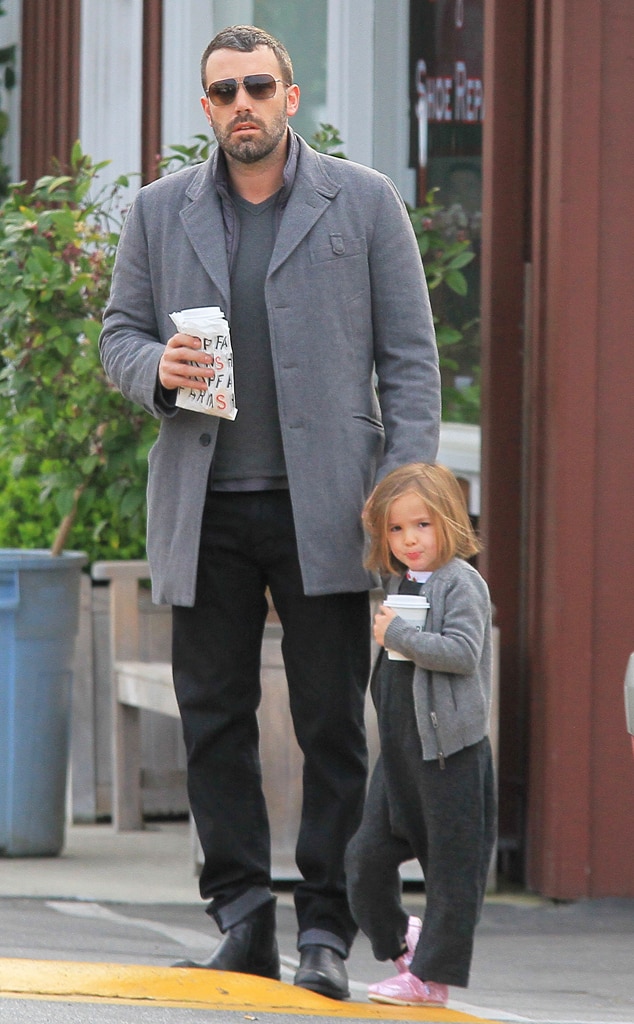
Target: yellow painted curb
{"x":183,"y":987}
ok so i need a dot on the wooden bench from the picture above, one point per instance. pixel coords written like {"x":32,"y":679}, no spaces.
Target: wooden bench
{"x":135,"y":685}
{"x":138,"y":685}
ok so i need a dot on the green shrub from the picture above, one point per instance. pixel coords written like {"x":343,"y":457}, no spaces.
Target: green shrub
{"x":63,"y":425}
{"x":29,"y":520}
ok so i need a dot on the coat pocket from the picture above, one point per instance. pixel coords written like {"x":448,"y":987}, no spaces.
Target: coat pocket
{"x":336,"y":247}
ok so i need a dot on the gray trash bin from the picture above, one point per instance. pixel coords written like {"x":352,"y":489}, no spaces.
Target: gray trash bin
{"x":39,"y":617}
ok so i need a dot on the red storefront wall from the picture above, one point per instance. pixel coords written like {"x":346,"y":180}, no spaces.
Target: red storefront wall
{"x":558,"y":467}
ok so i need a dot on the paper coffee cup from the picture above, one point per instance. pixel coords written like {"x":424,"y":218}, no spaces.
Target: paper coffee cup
{"x":412,"y":608}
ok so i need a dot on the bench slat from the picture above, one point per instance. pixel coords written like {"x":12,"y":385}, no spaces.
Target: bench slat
{"x":146,"y":685}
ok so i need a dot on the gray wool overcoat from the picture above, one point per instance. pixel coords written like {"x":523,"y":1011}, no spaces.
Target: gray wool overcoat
{"x":349,"y":316}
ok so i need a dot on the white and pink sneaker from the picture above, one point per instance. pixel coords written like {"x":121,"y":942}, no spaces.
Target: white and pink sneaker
{"x":407,"y":990}
{"x":414,"y":928}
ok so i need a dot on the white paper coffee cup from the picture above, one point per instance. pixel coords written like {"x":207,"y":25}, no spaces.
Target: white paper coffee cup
{"x":412,"y":608}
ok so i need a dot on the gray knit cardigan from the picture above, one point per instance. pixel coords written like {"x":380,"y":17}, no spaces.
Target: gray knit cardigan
{"x":452,"y":658}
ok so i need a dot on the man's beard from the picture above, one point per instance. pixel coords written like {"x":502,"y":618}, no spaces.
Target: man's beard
{"x":250,"y":150}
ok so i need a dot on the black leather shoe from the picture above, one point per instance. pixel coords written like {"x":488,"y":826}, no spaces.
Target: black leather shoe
{"x":323,"y":970}
{"x":249,"y":947}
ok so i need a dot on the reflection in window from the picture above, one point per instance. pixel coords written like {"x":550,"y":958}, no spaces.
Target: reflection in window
{"x":303,"y":28}
{"x":447,"y":115}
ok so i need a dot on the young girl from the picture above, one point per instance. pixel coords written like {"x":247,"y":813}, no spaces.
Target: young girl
{"x":431,"y":796}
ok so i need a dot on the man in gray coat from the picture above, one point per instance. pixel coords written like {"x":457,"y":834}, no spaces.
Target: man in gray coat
{"x":314,"y":263}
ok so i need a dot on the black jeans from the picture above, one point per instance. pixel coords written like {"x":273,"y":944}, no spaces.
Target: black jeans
{"x":248,"y":543}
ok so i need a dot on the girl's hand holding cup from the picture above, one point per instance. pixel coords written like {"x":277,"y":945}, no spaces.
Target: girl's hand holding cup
{"x":382,"y":620}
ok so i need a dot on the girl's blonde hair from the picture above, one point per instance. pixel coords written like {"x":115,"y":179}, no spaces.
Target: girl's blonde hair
{"x":441,"y":492}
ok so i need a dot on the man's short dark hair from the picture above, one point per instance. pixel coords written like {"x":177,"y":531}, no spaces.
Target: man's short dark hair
{"x":247,"y":38}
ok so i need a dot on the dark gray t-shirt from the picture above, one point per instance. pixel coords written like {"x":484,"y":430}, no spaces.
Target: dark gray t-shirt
{"x":249,"y":455}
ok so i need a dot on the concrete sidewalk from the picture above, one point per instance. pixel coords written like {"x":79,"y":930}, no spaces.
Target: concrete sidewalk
{"x":534,"y":959}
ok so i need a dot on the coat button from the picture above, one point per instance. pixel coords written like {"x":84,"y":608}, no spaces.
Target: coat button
{"x":205,"y":440}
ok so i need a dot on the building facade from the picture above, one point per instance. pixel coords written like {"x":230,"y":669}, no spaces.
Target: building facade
{"x":541,"y":116}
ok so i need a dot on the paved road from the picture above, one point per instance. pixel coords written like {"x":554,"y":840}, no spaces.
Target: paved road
{"x":130,"y":899}
{"x":534,"y":960}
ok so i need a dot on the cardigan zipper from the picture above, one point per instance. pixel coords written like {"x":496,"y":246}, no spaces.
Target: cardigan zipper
{"x":434,"y":722}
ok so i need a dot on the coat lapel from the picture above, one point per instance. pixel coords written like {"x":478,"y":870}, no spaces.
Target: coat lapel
{"x":311,"y":195}
{"x":204,"y":226}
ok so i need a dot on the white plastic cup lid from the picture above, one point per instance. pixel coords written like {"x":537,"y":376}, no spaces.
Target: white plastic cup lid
{"x":406,"y":601}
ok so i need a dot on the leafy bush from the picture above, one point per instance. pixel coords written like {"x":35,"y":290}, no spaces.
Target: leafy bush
{"x":29,"y":520}
{"x":445,"y":239}
{"x":63,"y":424}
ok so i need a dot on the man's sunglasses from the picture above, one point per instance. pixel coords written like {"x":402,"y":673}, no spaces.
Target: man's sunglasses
{"x":259,"y":87}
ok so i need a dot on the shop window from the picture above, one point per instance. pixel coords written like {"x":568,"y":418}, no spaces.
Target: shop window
{"x":447,"y":107}
{"x":303,"y":28}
